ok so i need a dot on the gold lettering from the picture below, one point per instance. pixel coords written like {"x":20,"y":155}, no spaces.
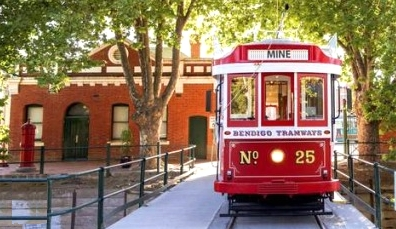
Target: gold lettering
{"x":305,"y":157}
{"x":247,"y":156}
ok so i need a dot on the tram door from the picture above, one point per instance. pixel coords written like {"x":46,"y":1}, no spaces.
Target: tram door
{"x":76,"y":132}
{"x":197,"y":135}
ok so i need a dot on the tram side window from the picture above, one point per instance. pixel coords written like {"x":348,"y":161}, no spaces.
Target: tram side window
{"x":312,"y":98}
{"x":242,"y":97}
{"x":278,"y":103}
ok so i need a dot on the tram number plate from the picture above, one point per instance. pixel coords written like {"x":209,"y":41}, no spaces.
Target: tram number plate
{"x":305,"y":157}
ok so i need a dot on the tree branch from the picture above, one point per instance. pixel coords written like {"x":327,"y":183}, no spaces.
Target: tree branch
{"x":126,"y":67}
{"x":142,"y":37}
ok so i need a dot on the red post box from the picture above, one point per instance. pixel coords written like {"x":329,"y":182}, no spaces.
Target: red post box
{"x":27,"y":144}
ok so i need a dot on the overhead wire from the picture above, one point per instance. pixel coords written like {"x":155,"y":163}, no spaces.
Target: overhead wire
{"x":253,"y":75}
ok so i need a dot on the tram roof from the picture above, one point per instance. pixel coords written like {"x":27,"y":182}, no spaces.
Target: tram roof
{"x":269,"y":49}
{"x":277,"y":55}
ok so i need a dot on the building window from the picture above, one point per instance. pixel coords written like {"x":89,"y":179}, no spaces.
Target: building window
{"x":164,"y":124}
{"x":34,"y":113}
{"x":120,"y":120}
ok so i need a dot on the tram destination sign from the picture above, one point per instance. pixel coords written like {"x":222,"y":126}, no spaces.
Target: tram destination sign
{"x":278,"y":54}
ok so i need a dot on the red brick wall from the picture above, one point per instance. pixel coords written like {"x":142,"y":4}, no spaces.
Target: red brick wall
{"x":99,"y":100}
{"x":183,"y":106}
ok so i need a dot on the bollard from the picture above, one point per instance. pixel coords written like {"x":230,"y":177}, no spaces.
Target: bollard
{"x":27,"y":144}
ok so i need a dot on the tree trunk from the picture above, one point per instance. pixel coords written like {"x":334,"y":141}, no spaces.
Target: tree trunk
{"x":149,"y":126}
{"x":368,"y":138}
{"x":368,"y":133}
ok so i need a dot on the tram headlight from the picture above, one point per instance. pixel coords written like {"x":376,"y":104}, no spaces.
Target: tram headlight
{"x":277,"y":155}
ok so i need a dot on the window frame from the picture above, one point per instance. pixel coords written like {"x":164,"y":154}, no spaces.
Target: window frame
{"x":291,"y":121}
{"x":39,"y":125}
{"x":163,"y":135}
{"x":242,"y":122}
{"x":313,"y":122}
{"x":113,"y":122}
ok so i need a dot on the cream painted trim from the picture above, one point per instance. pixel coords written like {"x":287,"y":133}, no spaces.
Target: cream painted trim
{"x":13,"y":84}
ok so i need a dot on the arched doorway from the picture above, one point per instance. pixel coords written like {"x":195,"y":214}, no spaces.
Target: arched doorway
{"x":76,"y":132}
{"x":197,"y":135}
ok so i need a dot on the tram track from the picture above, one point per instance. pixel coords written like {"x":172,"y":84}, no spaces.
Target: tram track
{"x":295,"y":222}
{"x":319,"y":222}
{"x":230,"y":224}
{"x":292,"y":221}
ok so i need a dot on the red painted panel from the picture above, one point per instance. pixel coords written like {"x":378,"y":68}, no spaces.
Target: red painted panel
{"x":251,"y":160}
{"x":290,"y":188}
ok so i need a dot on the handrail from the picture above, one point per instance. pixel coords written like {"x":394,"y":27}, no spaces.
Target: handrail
{"x":349,"y":188}
{"x":100,"y":175}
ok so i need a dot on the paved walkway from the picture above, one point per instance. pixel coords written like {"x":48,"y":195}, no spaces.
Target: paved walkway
{"x":191,"y":204}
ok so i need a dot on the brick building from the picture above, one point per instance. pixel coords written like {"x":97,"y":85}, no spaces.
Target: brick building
{"x":94,"y":106}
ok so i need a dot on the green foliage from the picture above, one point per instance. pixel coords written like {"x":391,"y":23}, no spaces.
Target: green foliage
{"x":391,"y":155}
{"x":381,"y":104}
{"x":51,"y":38}
{"x":231,"y":22}
{"x":49,"y":43}
{"x":126,"y":142}
{"x":4,"y":139}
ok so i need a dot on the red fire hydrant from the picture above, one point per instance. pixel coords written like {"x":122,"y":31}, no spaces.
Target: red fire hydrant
{"x":27,"y":144}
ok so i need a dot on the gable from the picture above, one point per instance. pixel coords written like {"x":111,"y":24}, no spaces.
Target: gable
{"x":110,"y":56}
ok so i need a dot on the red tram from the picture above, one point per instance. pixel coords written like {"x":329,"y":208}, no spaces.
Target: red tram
{"x":275,"y":108}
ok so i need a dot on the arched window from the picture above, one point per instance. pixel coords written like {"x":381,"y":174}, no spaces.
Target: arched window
{"x":78,"y":109}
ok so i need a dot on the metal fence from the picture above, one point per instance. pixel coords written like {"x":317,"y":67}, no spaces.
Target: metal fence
{"x":368,"y":185}
{"x":106,"y":193}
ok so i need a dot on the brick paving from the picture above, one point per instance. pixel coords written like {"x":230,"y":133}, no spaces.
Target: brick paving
{"x":53,"y":168}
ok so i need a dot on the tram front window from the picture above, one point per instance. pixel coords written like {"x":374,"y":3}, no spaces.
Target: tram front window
{"x":242,"y":97}
{"x":278,"y":98}
{"x":312,"y":98}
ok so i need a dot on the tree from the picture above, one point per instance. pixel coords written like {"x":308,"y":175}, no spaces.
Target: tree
{"x":232,"y":22}
{"x":57,"y":35}
{"x":365,"y":31}
{"x":366,"y":34}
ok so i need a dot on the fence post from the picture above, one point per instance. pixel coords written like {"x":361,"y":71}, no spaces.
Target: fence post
{"x":142,"y":177}
{"x":335,"y":165}
{"x":181,"y":161}
{"x":192,"y":155}
{"x":73,"y":214}
{"x":344,"y":125}
{"x":42,"y":159}
{"x":158,"y":156}
{"x":100,"y":197}
{"x":377,"y":186}
{"x":351,"y":176}
{"x":166,"y":168}
{"x":49,"y":202}
{"x":108,"y":156}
